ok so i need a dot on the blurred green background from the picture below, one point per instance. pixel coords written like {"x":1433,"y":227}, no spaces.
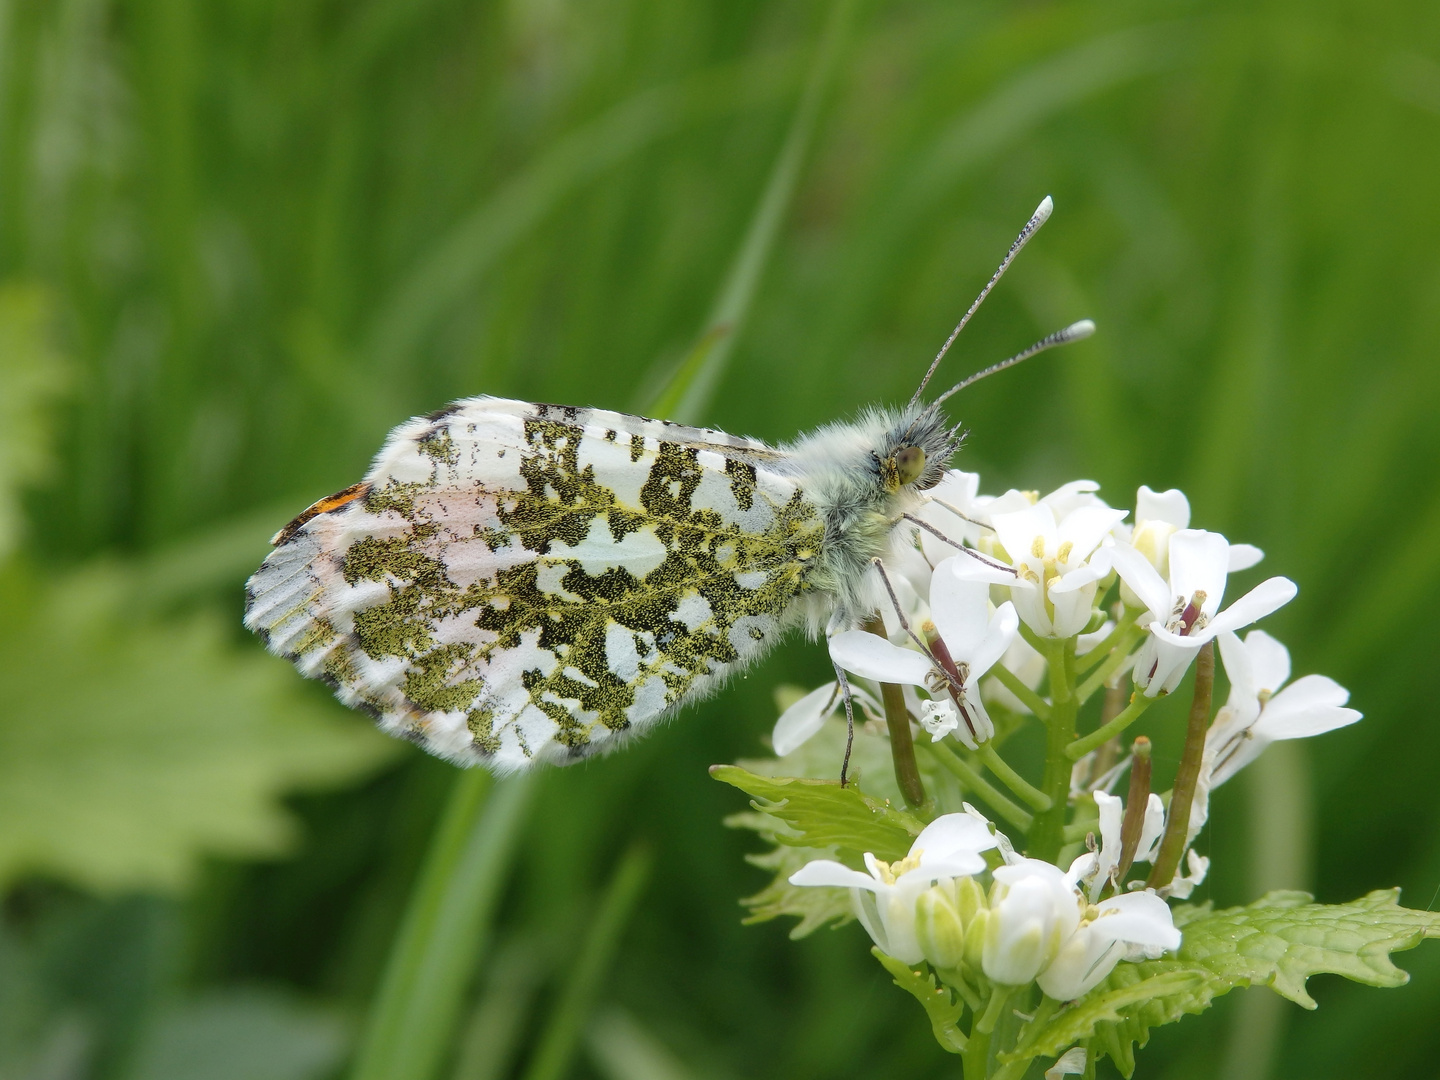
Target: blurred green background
{"x":240,"y":240}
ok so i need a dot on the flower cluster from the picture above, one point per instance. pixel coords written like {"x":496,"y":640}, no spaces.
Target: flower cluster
{"x":1058,"y":610}
{"x":1034,"y":925}
{"x":986,"y":623}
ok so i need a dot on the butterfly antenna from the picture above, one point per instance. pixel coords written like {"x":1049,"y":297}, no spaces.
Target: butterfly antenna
{"x":1041,"y":215}
{"x":1074,"y":332}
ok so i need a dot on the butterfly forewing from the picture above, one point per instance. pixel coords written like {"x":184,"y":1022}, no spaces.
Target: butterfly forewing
{"x":516,"y":581}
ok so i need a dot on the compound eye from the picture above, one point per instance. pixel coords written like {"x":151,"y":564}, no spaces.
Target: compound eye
{"x":910,"y":463}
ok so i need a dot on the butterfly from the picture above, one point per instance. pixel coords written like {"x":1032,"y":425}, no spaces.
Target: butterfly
{"x":516,"y":582}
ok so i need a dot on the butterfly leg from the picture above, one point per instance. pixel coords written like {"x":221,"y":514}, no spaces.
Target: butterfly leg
{"x":849,"y":721}
{"x":899,"y":611}
{"x":994,"y":564}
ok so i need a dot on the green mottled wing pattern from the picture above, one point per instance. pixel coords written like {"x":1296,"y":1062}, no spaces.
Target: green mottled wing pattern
{"x":514,"y":582}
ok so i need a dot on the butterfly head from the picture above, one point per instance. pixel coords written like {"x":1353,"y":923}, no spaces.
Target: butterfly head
{"x":917,"y":450}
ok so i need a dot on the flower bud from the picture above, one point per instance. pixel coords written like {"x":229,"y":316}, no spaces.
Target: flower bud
{"x":1034,"y":909}
{"x":938,"y":927}
{"x":975,"y":928}
{"x":969,"y":900}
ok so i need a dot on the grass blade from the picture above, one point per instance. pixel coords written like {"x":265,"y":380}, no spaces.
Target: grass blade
{"x":562,"y":1033}
{"x":434,"y":955}
{"x":688,"y":393}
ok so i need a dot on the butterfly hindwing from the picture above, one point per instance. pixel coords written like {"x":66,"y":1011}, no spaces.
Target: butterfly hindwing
{"x":515,"y":581}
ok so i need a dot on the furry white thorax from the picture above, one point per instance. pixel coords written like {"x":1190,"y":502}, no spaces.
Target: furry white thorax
{"x":840,"y":468}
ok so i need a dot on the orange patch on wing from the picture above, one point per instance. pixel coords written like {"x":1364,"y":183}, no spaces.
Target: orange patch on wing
{"x":324,"y":506}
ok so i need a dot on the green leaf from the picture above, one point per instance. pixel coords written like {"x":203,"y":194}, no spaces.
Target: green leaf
{"x":246,"y":1034}
{"x":813,"y":907}
{"x":32,"y":375}
{"x":822,"y":814}
{"x":943,"y":1008}
{"x":131,"y":748}
{"x":1278,"y":941}
{"x":1134,"y":998}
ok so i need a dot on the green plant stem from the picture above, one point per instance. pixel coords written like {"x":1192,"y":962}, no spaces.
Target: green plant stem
{"x":1112,"y":663}
{"x":1047,"y":834}
{"x":1123,"y":627}
{"x":902,"y":742}
{"x":1029,"y":1036}
{"x":690,"y":391}
{"x":1011,"y":779}
{"x":558,"y":1041}
{"x":443,"y":933}
{"x":993,"y":1009}
{"x":971,"y":777}
{"x":956,"y":981}
{"x":1083,"y":745}
{"x":1029,"y":698}
{"x":975,"y":1059}
{"x":1177,"y":820}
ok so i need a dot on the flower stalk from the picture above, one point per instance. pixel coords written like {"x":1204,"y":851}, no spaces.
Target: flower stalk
{"x":1128,"y":715}
{"x":1047,"y":833}
{"x":1177,"y":824}
{"x":902,"y":743}
{"x":1135,"y":802}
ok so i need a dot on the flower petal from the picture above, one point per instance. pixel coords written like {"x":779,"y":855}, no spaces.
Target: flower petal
{"x":1017,"y":532}
{"x":979,"y":719}
{"x":1270,"y":595}
{"x":1142,"y":578}
{"x":999,"y":636}
{"x":1308,"y":706}
{"x":872,"y":657}
{"x":1138,"y":918}
{"x":1152,"y":829}
{"x":1068,"y":498}
{"x":1199,"y":562}
{"x":1244,"y":556}
{"x":1070,"y":1063}
{"x":803,"y":719}
{"x":1239,"y":669}
{"x":972,"y":568}
{"x":829,"y":872}
{"x":960,"y":608}
{"x":950,"y":833}
{"x":1171,"y":507}
{"x":1085,"y":528}
{"x":1269,"y":662}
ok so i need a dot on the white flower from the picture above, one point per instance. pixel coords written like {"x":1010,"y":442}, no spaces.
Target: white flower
{"x":1033,"y":911}
{"x":1258,"y":712}
{"x":1184,"y":613}
{"x":939,"y":718}
{"x":1112,"y":817}
{"x":1057,"y":567}
{"x":1139,"y":920}
{"x":973,"y":640}
{"x":806,"y":717}
{"x":1182,"y":885}
{"x":1075,"y":495}
{"x":886,"y":897}
{"x":1160,"y":514}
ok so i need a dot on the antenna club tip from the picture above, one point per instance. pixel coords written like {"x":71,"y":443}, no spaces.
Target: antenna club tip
{"x":1078,"y":331}
{"x":1043,"y":211}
